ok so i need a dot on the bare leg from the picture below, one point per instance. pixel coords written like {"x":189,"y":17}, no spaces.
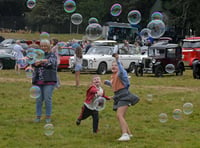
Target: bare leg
{"x":121,"y":112}
{"x":77,"y":78}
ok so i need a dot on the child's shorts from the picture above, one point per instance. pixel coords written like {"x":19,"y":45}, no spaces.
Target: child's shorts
{"x":78,"y":67}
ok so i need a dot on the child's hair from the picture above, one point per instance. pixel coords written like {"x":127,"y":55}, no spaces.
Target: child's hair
{"x":78,"y":52}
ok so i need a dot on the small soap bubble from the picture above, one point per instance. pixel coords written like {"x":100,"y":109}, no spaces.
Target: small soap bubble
{"x":35,"y":92}
{"x":163,"y":117}
{"x":48,"y":129}
{"x":187,"y":108}
{"x":116,"y":9}
{"x":177,"y":114}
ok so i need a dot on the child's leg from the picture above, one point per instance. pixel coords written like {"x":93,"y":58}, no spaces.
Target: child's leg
{"x":95,"y":117}
{"x":121,"y":111}
{"x":85,"y":112}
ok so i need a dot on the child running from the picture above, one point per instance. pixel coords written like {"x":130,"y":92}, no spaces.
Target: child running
{"x":94,"y":91}
{"x":122,"y":97}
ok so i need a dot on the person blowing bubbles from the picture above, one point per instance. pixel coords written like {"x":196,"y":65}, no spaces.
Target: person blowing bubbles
{"x":123,"y":98}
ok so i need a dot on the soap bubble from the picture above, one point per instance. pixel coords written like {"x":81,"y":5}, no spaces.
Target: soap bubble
{"x":187,"y":108}
{"x":44,"y":35}
{"x":163,"y":117}
{"x":177,"y":114}
{"x":76,"y":18}
{"x":145,"y":33}
{"x":30,"y":4}
{"x":157,"y":28}
{"x":35,"y":92}
{"x":134,"y":17}
{"x":48,"y":129}
{"x":116,"y":9}
{"x":92,"y":20}
{"x":69,"y":6}
{"x":156,"y":16}
{"x":93,"y":31}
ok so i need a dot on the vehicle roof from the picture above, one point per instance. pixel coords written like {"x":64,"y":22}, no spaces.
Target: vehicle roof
{"x":119,"y":25}
{"x":105,"y":41}
{"x":191,"y":39}
{"x":163,"y":45}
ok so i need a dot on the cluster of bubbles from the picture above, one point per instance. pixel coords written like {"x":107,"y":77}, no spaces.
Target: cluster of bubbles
{"x":177,"y":114}
{"x":31,"y":4}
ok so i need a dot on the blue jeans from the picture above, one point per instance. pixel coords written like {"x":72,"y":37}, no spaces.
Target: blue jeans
{"x":46,"y":95}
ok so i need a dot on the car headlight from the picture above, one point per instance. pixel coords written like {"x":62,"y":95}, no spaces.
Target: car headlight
{"x":153,"y":61}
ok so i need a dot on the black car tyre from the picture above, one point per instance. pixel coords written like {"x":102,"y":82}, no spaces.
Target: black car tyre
{"x":131,"y":68}
{"x":159,"y":71}
{"x":138,"y":71}
{"x":180,"y":70}
{"x":1,"y":65}
{"x":196,"y":72}
{"x":102,"y":69}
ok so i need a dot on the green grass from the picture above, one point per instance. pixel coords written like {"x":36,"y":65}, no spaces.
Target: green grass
{"x":17,"y":111}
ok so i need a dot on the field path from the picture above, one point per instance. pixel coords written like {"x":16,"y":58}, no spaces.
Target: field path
{"x":72,"y":83}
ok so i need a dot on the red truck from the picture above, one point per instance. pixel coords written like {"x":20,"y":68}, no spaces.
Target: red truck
{"x":190,"y":50}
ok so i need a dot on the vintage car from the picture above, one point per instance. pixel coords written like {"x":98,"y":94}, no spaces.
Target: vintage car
{"x":7,"y":60}
{"x":65,"y":54}
{"x":162,"y":58}
{"x":99,"y":58}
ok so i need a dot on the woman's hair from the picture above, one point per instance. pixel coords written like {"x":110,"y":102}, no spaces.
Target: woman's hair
{"x":78,"y":52}
{"x":45,"y":42}
{"x":55,"y":41}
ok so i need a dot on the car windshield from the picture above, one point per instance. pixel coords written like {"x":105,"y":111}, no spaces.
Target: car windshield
{"x":100,"y":50}
{"x":191,"y":44}
{"x":153,"y":52}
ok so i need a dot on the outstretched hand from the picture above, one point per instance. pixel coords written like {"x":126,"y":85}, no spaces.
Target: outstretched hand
{"x":116,"y":56}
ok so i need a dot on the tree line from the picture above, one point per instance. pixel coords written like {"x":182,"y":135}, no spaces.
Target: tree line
{"x":49,"y":15}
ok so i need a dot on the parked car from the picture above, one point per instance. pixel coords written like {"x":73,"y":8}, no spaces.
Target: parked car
{"x":65,"y":54}
{"x":7,"y":60}
{"x":190,"y":49}
{"x":99,"y":58}
{"x":7,"y":42}
{"x":162,"y":58}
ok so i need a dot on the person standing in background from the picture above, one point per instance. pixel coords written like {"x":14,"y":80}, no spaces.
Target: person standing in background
{"x":54,"y":49}
{"x":78,"y":58}
{"x":45,"y":77}
{"x":18,"y":55}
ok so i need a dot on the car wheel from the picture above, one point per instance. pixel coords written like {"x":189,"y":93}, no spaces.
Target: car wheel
{"x":131,"y":68}
{"x":1,"y":65}
{"x":180,"y":70}
{"x":138,"y":71}
{"x":196,"y":72}
{"x":159,"y":71}
{"x":102,"y":69}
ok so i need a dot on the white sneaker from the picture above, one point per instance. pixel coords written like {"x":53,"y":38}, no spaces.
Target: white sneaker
{"x":124,"y":137}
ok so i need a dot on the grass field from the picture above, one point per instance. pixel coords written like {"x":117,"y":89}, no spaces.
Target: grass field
{"x":17,"y":111}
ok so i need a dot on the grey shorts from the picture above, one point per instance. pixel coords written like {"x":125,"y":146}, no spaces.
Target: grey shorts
{"x":124,"y":97}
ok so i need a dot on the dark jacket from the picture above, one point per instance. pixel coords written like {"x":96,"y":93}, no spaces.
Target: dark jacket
{"x":46,"y":72}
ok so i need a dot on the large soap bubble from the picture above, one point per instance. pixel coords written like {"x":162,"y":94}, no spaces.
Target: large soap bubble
{"x":134,"y":17}
{"x":163,"y":117}
{"x":100,"y":103}
{"x":44,"y":35}
{"x":177,"y":114}
{"x":116,"y":9}
{"x":157,"y":28}
{"x":76,"y":18}
{"x":69,"y":6}
{"x":93,"y":31}
{"x":30,"y":4}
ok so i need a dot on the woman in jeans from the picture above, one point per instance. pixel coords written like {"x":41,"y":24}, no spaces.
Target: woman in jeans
{"x":45,"y":77}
